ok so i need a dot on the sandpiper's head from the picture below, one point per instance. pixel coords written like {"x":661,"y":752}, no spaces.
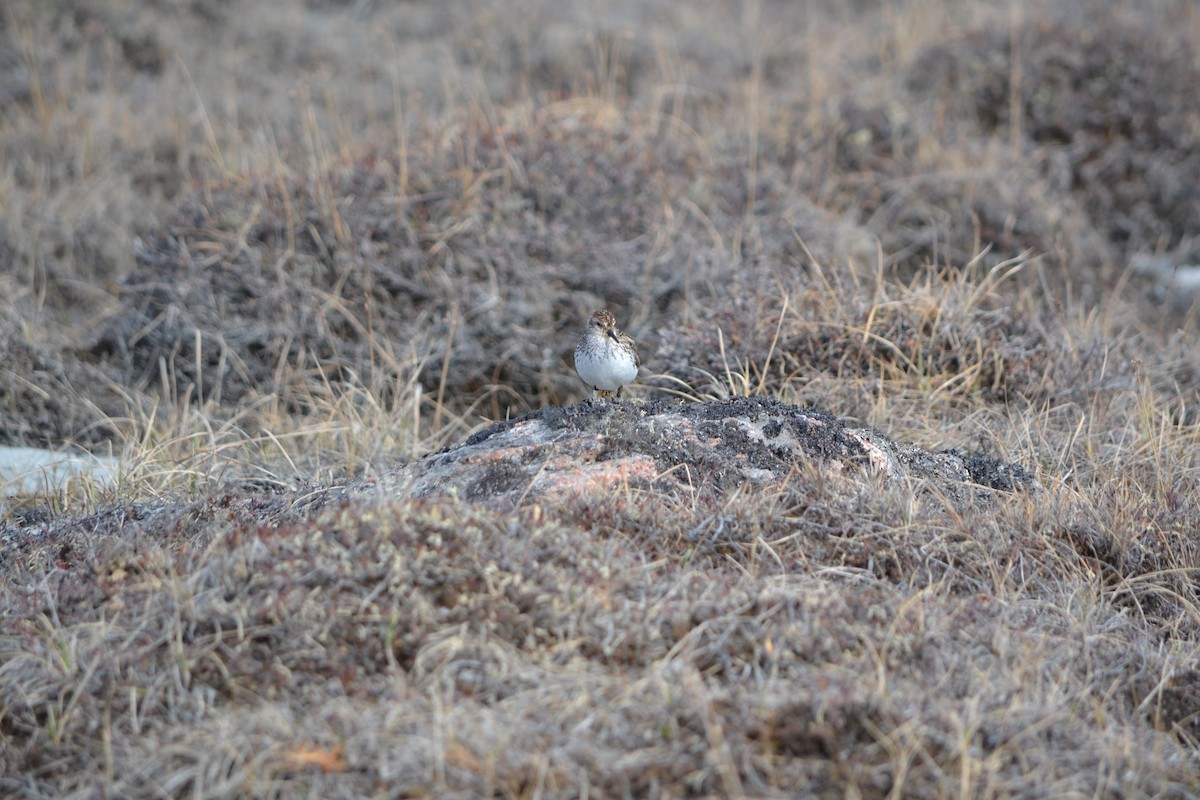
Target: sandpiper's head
{"x":602,"y":321}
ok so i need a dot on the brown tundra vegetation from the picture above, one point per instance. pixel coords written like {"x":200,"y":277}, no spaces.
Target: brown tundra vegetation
{"x":905,"y":501}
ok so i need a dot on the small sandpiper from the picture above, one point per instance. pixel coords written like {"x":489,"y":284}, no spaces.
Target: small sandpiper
{"x":606,"y":358}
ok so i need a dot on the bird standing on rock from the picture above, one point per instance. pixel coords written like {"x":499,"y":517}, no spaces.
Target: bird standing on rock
{"x":605,"y":357}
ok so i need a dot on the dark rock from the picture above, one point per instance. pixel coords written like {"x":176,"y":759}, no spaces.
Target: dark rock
{"x":595,"y":446}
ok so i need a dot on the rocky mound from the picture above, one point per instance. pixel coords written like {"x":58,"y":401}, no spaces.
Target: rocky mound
{"x":599,"y":446}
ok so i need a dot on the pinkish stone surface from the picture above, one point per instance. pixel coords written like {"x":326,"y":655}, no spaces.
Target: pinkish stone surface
{"x":596,"y":446}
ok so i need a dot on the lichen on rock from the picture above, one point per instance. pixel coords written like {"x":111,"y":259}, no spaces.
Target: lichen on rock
{"x":594,"y":446}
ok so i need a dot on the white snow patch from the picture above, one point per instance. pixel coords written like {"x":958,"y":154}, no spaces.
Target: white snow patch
{"x":29,"y":471}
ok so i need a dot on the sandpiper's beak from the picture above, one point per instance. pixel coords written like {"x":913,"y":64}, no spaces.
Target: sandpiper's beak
{"x":612,"y":334}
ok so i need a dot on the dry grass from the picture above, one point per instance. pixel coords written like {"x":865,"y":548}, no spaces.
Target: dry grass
{"x":260,"y":250}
